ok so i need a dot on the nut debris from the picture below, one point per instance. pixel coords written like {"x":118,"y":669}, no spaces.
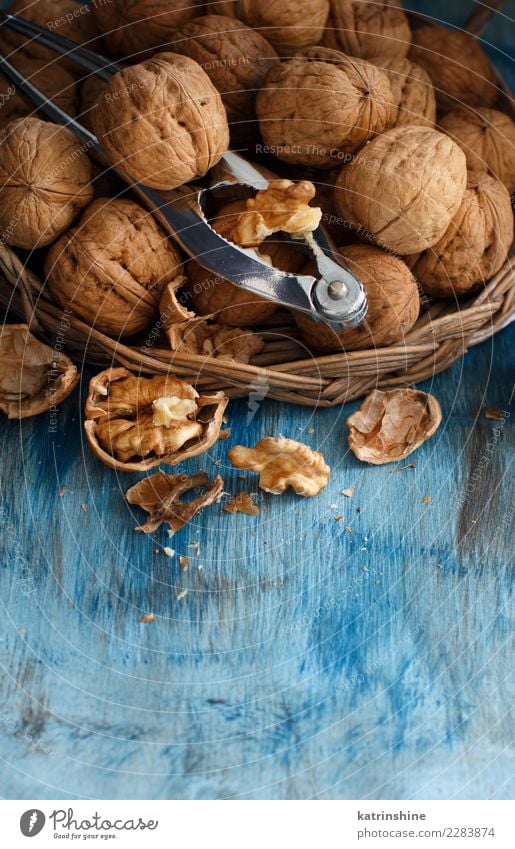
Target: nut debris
{"x":493,"y":413}
{"x":282,"y":463}
{"x":168,"y":551}
{"x":349,"y":491}
{"x":160,"y":496}
{"x":426,"y":499}
{"x":242,"y":502}
{"x":148,"y":617}
{"x":184,"y":562}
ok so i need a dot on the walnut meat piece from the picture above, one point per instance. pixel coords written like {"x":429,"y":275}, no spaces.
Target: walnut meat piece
{"x":136,"y":423}
{"x":366,"y":29}
{"x":141,"y":25}
{"x":242,"y":502}
{"x":313,"y":112}
{"x":53,"y":79}
{"x":389,"y":426}
{"x":413,"y":92}
{"x":282,"y":206}
{"x":393,"y":304}
{"x":404,"y":188}
{"x":235,"y":57}
{"x":112,"y":267}
{"x":282,"y":463}
{"x":288,"y":25}
{"x":475,"y":244}
{"x":162,"y":121}
{"x":160,"y":495}
{"x":44,"y":182}
{"x":487,"y":138}
{"x":209,"y":339}
{"x":33,"y":377}
{"x":211,"y":294}
{"x":460,"y":70}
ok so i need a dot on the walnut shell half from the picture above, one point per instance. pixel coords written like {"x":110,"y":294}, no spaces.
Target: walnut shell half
{"x":282,"y":463}
{"x":389,"y":426}
{"x":378,"y":28}
{"x":136,"y":423}
{"x":34,"y":378}
{"x":487,"y":138}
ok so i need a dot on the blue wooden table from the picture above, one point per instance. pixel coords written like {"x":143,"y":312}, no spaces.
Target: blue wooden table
{"x":299,"y":655}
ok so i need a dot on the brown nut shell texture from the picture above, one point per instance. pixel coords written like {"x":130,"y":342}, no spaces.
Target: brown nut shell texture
{"x":44,"y":182}
{"x":459,"y":68}
{"x":315,"y":113}
{"x":160,"y":495}
{"x":111,"y":268}
{"x":135,"y":423}
{"x":389,"y":426}
{"x":162,"y":121}
{"x":413,"y":92}
{"x":364,"y":29}
{"x":487,"y":138}
{"x":475,"y":244}
{"x":141,"y":25}
{"x":33,"y":377}
{"x":53,"y":79}
{"x":282,"y":463}
{"x":393,"y":304}
{"x":404,"y":188}
{"x":289,"y":24}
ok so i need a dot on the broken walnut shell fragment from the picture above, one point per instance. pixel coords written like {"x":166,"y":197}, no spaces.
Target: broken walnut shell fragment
{"x":389,"y":426}
{"x":160,"y":495}
{"x":135,"y":423}
{"x":242,"y":502}
{"x":282,"y":463}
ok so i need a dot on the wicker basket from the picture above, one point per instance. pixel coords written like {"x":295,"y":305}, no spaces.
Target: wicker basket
{"x":283,"y":371}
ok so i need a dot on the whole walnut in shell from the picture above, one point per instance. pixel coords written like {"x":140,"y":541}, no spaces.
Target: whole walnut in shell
{"x":33,"y":377}
{"x":44,"y":182}
{"x":413,"y":92}
{"x":316,"y":113}
{"x":487,"y":138}
{"x":53,"y":79}
{"x":288,"y":25}
{"x":135,"y":423}
{"x":141,"y":25}
{"x":460,"y":70}
{"x":404,"y":188}
{"x":475,"y":244}
{"x":282,"y":463}
{"x":111,"y":268}
{"x":162,"y":121}
{"x":366,"y":29}
{"x":393,"y":304}
{"x":210,"y":293}
{"x":235,"y":57}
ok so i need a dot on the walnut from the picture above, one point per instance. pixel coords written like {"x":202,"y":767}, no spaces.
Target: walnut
{"x":282,"y":463}
{"x":44,"y":182}
{"x":236,"y":58}
{"x":366,"y":29}
{"x":460,"y":70}
{"x":413,"y":92}
{"x":162,"y":121}
{"x":288,"y":25}
{"x":393,"y":304}
{"x":52,"y":79}
{"x":317,"y":113}
{"x":242,"y":502}
{"x":160,"y":495}
{"x":209,"y":339}
{"x":136,"y":423}
{"x":404,"y":188}
{"x":389,"y":426}
{"x":141,"y":25}
{"x":282,"y":207}
{"x":34,"y":378}
{"x":112,"y":267}
{"x":90,"y":91}
{"x":475,"y":244}
{"x":487,"y":138}
{"x":210,"y":293}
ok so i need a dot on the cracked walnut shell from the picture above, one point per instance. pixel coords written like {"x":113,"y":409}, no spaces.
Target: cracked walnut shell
{"x":487,"y":138}
{"x":141,"y":25}
{"x":136,"y":423}
{"x":111,"y":268}
{"x":367,"y":29}
{"x":288,"y":25}
{"x":282,"y":463}
{"x":389,"y":426}
{"x":44,"y":182}
{"x":393,"y":304}
{"x":413,"y":92}
{"x":404,"y":188}
{"x":474,"y":246}
{"x":160,"y":495}
{"x":316,"y":113}
{"x":34,"y":377}
{"x":162,"y":121}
